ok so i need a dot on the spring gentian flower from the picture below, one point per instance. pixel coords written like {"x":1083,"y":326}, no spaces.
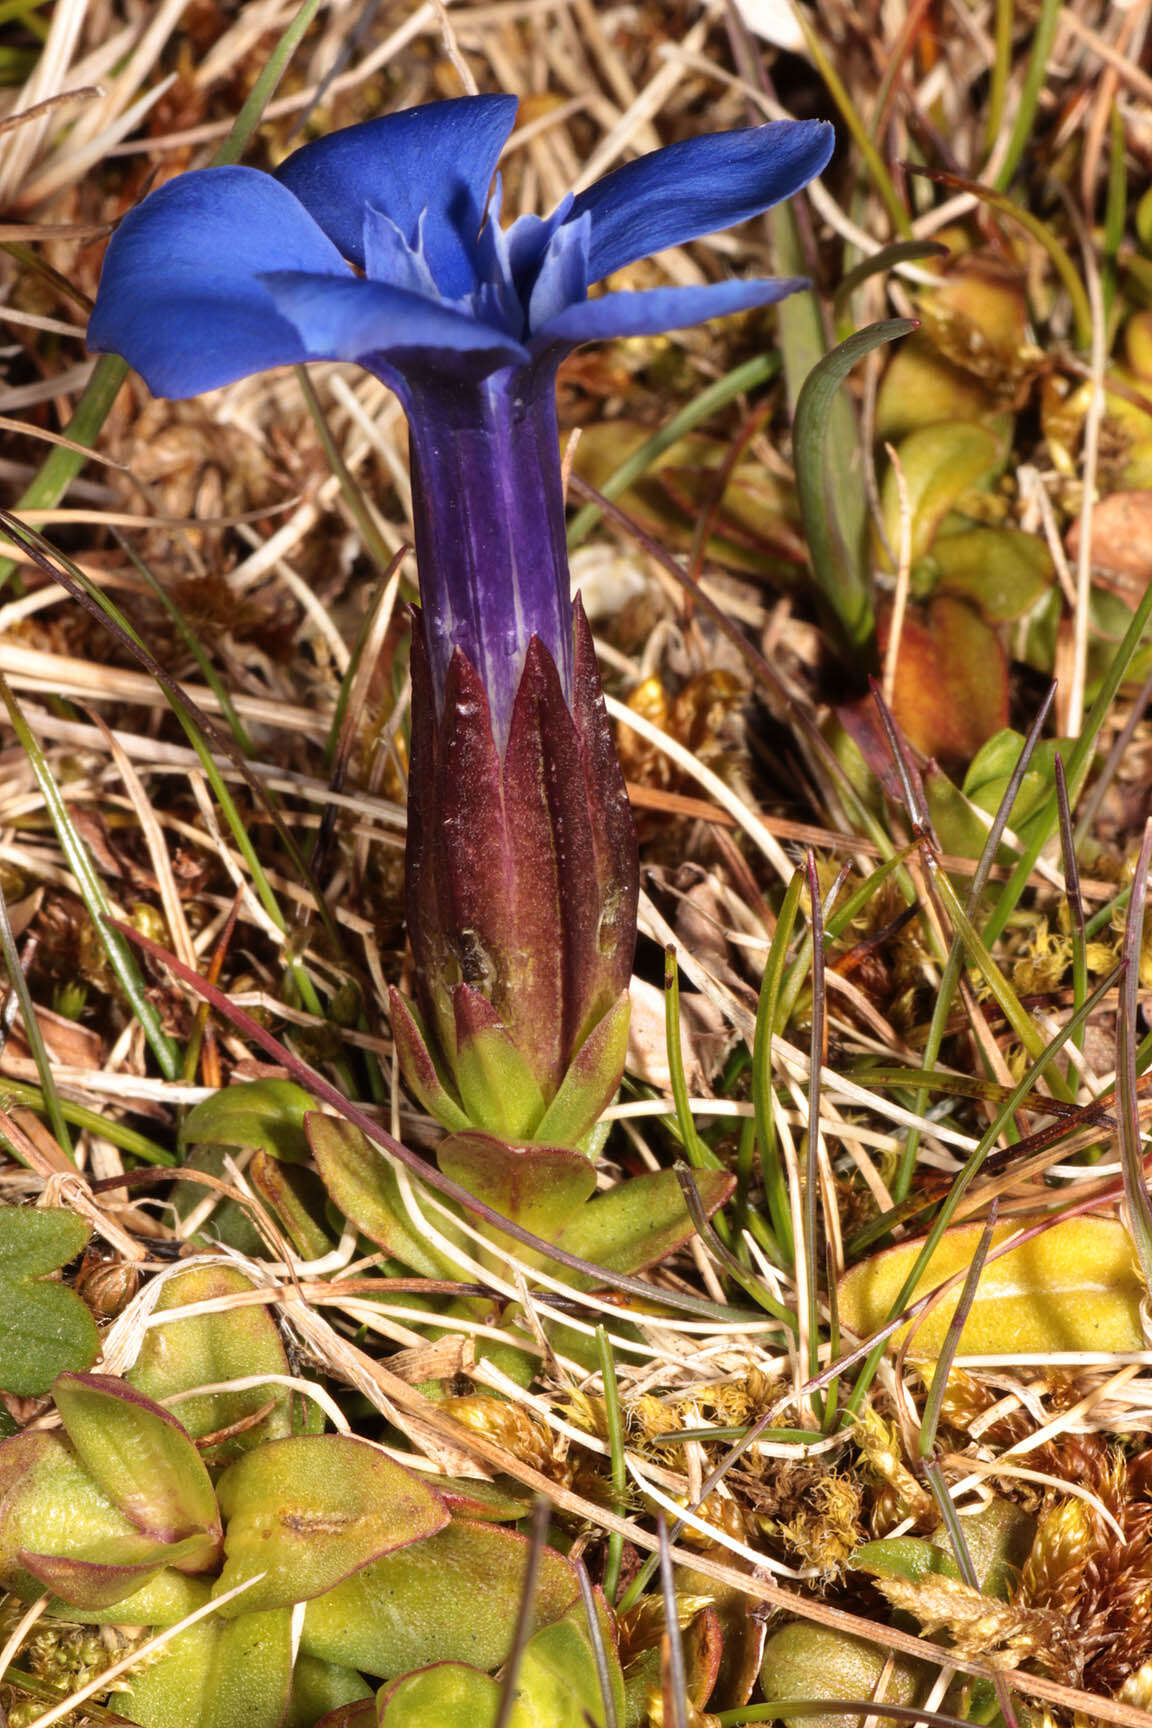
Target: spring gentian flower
{"x":380,"y":244}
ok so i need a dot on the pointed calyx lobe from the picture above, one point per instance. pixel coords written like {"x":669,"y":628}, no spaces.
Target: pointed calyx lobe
{"x":522,"y":875}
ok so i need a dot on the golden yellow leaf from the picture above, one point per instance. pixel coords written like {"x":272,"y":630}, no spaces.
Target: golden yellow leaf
{"x":1075,"y":1287}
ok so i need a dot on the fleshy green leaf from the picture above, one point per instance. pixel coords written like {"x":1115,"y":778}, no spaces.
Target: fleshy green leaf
{"x":556,"y":1686}
{"x":217,"y":1674}
{"x":309,"y":1511}
{"x":813,"y":1662}
{"x":940,"y":464}
{"x":321,"y":1687}
{"x":470,"y":1497}
{"x":1075,"y":1287}
{"x":452,"y":1598}
{"x":141,"y":1457}
{"x":1002,"y":571}
{"x":49,"y":1504}
{"x":421,"y":1075}
{"x":268,"y":1114}
{"x":538,"y":1187}
{"x":45,"y":1328}
{"x":591,"y":1081}
{"x":114,"y":1567}
{"x":363,"y":1184}
{"x":641,"y":1221}
{"x":209,"y":1349}
{"x":359,"y":1715}
{"x":296,"y":1196}
{"x":448,"y":1695}
{"x":498,"y":1088}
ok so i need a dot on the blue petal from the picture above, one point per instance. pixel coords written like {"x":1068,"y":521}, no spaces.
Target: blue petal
{"x":698,"y":187}
{"x":353,"y":319}
{"x":439,"y":158}
{"x":391,"y":259}
{"x":529,"y":239}
{"x":180,"y":296}
{"x":651,"y":311}
{"x":562,"y":280}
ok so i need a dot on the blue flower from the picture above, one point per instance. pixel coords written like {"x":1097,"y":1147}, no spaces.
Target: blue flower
{"x":379,"y":244}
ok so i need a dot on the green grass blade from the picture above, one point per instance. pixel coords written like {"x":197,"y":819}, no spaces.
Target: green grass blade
{"x":614,"y":1422}
{"x":1079,"y":762}
{"x":700,"y":1157}
{"x":861,"y":137}
{"x":1131,"y":1149}
{"x":18,"y":984}
{"x":88,"y":1121}
{"x":840,"y":562}
{"x":741,"y":379}
{"x":1043,"y":37}
{"x":245,"y":124}
{"x":771,"y":1164}
{"x":120,"y":956}
{"x":878,"y":263}
{"x":191,"y":641}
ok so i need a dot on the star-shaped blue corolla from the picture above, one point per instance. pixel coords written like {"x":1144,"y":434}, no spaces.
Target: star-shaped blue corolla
{"x":380,"y":244}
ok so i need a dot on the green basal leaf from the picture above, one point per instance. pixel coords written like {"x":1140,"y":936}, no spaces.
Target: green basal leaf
{"x":556,"y":1685}
{"x":209,"y":1349}
{"x":115,"y":1567}
{"x":217,"y":1674}
{"x":813,"y":1662}
{"x":539,"y":1187}
{"x":296,"y":1196}
{"x":591,"y":1081}
{"x":1002,"y":571}
{"x":229,"y":1224}
{"x":829,"y":482}
{"x":448,"y":1695}
{"x":497,"y":1087}
{"x":498,"y":1502}
{"x":309,"y":1511}
{"x":910,"y":1558}
{"x":363,"y":1185}
{"x":268,"y":1114}
{"x":940,"y":464}
{"x":452,"y":1598}
{"x":641,"y":1221}
{"x":998,"y":1540}
{"x":49,"y":1504}
{"x":320,"y":1687}
{"x":141,"y":1457}
{"x":359,"y":1715}
{"x":921,"y":387}
{"x":45,"y":1328}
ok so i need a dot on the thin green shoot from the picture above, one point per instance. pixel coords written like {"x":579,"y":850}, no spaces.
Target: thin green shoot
{"x":191,"y":641}
{"x":742,"y":379}
{"x":1043,"y":823}
{"x":763,"y":1099}
{"x":1043,"y":36}
{"x":614,"y":1423}
{"x":933,"y":1404}
{"x":700,"y":1156}
{"x":120,"y":956}
{"x":18,"y":984}
{"x":1073,"y":895}
{"x":1139,"y":1203}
